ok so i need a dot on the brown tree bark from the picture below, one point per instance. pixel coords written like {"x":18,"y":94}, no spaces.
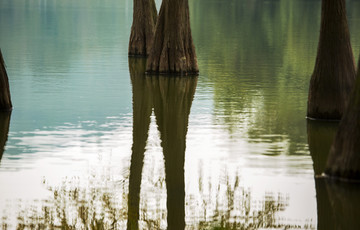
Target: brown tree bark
{"x":334,"y":71}
{"x":143,"y":27}
{"x":344,"y":156}
{"x":5,"y":99}
{"x":173,"y":50}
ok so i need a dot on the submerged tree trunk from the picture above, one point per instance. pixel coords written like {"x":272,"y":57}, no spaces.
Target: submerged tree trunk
{"x":142,"y":104}
{"x":344,"y":156}
{"x":143,"y":27}
{"x":5,"y":99}
{"x":173,"y":50}
{"x":334,"y":71}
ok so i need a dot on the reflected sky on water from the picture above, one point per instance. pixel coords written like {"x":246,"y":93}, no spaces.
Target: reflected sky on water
{"x":83,"y":111}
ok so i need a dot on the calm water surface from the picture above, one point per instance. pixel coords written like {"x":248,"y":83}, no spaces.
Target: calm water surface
{"x":92,"y":141}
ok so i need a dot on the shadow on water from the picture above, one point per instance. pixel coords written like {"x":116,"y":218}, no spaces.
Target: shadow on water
{"x":338,"y":203}
{"x":4,"y":130}
{"x":171,"y":99}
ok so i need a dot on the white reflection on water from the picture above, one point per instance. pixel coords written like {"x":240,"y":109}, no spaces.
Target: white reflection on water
{"x":213,"y":161}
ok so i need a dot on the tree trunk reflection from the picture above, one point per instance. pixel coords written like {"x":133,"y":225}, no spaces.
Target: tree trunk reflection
{"x":4,"y":130}
{"x":171,"y":98}
{"x":172,"y":102}
{"x":141,"y":121}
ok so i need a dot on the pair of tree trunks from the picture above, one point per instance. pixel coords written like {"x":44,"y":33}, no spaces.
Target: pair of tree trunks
{"x":334,"y":72}
{"x":5,"y":99}
{"x":168,"y":45}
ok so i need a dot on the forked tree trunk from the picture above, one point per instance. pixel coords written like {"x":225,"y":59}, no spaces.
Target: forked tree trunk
{"x":173,"y":50}
{"x":334,"y":71}
{"x":5,"y":99}
{"x":143,"y":27}
{"x":344,"y":156}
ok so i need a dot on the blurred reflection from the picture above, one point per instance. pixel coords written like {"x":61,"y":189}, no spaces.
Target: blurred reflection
{"x":345,"y":204}
{"x":141,"y":120}
{"x":338,"y":203}
{"x":4,"y":130}
{"x":172,"y":98}
{"x":320,"y":137}
{"x":172,"y":102}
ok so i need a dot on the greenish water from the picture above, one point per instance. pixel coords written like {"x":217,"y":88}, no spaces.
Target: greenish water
{"x":92,"y":141}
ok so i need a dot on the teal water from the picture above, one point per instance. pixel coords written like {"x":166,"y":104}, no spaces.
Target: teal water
{"x":89,"y":131}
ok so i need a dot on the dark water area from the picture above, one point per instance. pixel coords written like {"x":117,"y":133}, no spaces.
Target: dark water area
{"x":94,"y":143}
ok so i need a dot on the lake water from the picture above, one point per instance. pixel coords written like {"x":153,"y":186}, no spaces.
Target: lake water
{"x":92,"y":141}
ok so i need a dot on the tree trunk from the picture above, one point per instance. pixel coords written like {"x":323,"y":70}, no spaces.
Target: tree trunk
{"x":142,"y":104}
{"x":173,"y":50}
{"x":5,"y":99}
{"x":172,"y":102}
{"x":143,"y":27}
{"x":334,"y":71}
{"x":344,"y":156}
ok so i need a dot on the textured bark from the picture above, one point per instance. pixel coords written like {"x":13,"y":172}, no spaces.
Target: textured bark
{"x":344,"y":156}
{"x":143,"y":27}
{"x":4,"y":130}
{"x":142,"y":104}
{"x":172,"y":102}
{"x":5,"y":99}
{"x":334,"y":71}
{"x":173,"y":50}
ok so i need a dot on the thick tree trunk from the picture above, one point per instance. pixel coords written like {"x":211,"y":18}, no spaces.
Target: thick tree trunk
{"x":143,"y":27}
{"x":4,"y":130}
{"x":173,"y":50}
{"x":334,"y":72}
{"x":142,"y":104}
{"x":5,"y":99}
{"x":344,"y":156}
{"x":172,"y":102}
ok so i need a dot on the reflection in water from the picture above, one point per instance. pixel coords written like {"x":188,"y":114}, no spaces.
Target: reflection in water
{"x":345,"y":204}
{"x":320,"y":137}
{"x":4,"y":130}
{"x":141,"y":120}
{"x":338,"y":203}
{"x":171,"y":98}
{"x":172,"y":102}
